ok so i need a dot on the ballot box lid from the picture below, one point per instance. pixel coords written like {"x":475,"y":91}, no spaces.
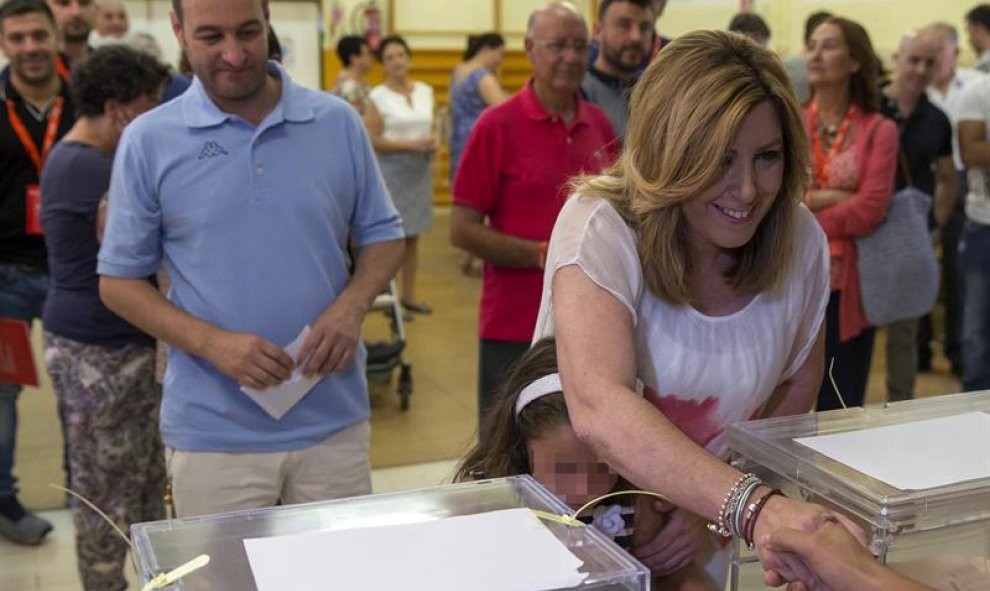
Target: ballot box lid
{"x":161,"y":546}
{"x":770,"y":446}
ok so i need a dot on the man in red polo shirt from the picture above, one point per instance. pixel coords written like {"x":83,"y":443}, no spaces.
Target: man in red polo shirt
{"x":514,"y":171}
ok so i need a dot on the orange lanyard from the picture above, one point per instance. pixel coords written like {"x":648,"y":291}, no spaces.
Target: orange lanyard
{"x":821,"y":160}
{"x":61,"y":68}
{"x":54,"y":118}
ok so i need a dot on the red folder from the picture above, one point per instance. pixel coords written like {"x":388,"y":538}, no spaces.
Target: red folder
{"x":16,"y":357}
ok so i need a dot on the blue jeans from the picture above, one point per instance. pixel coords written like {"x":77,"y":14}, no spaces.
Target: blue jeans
{"x":976,"y":307}
{"x":22,"y":295}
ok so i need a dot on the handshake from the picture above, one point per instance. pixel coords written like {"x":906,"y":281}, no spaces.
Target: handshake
{"x":834,"y":559}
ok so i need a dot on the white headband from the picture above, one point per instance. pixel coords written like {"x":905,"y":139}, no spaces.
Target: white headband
{"x":549,"y":384}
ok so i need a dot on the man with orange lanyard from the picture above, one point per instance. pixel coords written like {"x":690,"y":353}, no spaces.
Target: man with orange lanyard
{"x":36,"y":112}
{"x":74,"y":20}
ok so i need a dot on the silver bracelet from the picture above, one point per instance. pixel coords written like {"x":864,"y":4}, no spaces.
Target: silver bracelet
{"x":737,"y":500}
{"x":738,"y":521}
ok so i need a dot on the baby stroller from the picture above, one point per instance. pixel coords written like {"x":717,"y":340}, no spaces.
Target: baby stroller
{"x":385,"y":356}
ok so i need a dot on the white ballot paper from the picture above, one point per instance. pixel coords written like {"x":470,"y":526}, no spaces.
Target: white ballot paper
{"x":914,"y":456}
{"x":278,"y":400}
{"x":498,"y":551}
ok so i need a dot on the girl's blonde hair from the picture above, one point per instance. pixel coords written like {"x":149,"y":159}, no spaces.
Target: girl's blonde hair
{"x":684,"y":114}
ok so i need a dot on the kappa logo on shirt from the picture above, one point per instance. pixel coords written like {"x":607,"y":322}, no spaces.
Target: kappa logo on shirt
{"x":212,"y":149}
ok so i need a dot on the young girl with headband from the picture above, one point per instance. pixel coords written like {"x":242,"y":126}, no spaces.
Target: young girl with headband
{"x":527,"y":431}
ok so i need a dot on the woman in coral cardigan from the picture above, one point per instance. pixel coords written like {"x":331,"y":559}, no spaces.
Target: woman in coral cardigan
{"x":854,"y":155}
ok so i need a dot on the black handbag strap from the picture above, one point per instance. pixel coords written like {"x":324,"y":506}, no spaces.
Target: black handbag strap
{"x":902,"y":163}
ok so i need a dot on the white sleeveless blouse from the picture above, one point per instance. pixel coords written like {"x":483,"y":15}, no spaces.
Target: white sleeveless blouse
{"x":703,"y":372}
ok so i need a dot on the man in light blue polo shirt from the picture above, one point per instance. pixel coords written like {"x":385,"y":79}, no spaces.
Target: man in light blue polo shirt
{"x":248,"y":188}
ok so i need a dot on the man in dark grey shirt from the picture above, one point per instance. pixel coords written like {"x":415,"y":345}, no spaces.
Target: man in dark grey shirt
{"x":624,"y":32}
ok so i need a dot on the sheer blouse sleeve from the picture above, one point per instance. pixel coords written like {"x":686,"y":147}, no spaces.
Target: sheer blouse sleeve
{"x":591,"y":234}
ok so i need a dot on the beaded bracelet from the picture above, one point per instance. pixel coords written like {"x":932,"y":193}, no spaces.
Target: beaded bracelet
{"x":725,"y":525}
{"x":719,"y":526}
{"x":753,"y":511}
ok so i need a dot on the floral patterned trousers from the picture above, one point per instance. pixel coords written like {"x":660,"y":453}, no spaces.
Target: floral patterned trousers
{"x":109,"y":401}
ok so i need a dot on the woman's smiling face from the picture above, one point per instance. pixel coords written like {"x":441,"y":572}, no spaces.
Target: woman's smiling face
{"x":726,"y":214}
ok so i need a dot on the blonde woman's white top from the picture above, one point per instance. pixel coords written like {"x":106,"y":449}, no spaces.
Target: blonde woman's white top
{"x":703,"y":372}
{"x":402,"y":120}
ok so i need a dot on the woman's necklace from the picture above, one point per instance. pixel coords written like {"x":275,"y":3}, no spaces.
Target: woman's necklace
{"x":828,"y":133}
{"x":825,"y":146}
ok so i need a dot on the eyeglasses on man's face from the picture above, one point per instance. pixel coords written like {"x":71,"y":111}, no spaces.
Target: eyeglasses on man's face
{"x":558,"y":46}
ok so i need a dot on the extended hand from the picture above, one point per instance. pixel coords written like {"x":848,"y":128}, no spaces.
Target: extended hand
{"x":838,"y":558}
{"x":675,"y":545}
{"x":784,"y":513}
{"x":248,"y":359}
{"x":332,"y":340}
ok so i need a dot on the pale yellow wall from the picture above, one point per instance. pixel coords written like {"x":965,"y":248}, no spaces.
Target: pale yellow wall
{"x":444,"y":24}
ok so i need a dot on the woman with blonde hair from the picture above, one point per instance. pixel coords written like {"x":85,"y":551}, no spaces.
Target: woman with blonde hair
{"x":854,"y":155}
{"x":691,"y":266}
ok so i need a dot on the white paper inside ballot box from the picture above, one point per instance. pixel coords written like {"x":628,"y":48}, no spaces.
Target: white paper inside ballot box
{"x":509,"y":550}
{"x":914,"y":456}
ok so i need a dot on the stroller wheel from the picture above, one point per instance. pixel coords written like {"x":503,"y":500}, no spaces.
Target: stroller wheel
{"x":405,"y":386}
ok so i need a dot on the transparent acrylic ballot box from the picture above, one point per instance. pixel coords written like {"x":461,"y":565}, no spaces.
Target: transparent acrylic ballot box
{"x":931,"y":534}
{"x":161,"y":546}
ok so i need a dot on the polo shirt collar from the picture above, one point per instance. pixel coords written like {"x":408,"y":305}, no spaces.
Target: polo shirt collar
{"x":200,"y":111}
{"x":617,"y":84}
{"x":535,"y":111}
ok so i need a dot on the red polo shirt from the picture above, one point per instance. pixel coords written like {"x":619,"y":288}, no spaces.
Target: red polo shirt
{"x":515,"y":170}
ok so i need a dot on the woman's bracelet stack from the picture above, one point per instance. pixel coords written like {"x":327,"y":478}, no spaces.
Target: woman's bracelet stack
{"x":737,"y":516}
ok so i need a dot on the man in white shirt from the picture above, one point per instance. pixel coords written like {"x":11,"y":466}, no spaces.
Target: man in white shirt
{"x":944,"y":92}
{"x":948,"y":79}
{"x":974,"y":146}
{"x":978,"y":30}
{"x":111,"y":19}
